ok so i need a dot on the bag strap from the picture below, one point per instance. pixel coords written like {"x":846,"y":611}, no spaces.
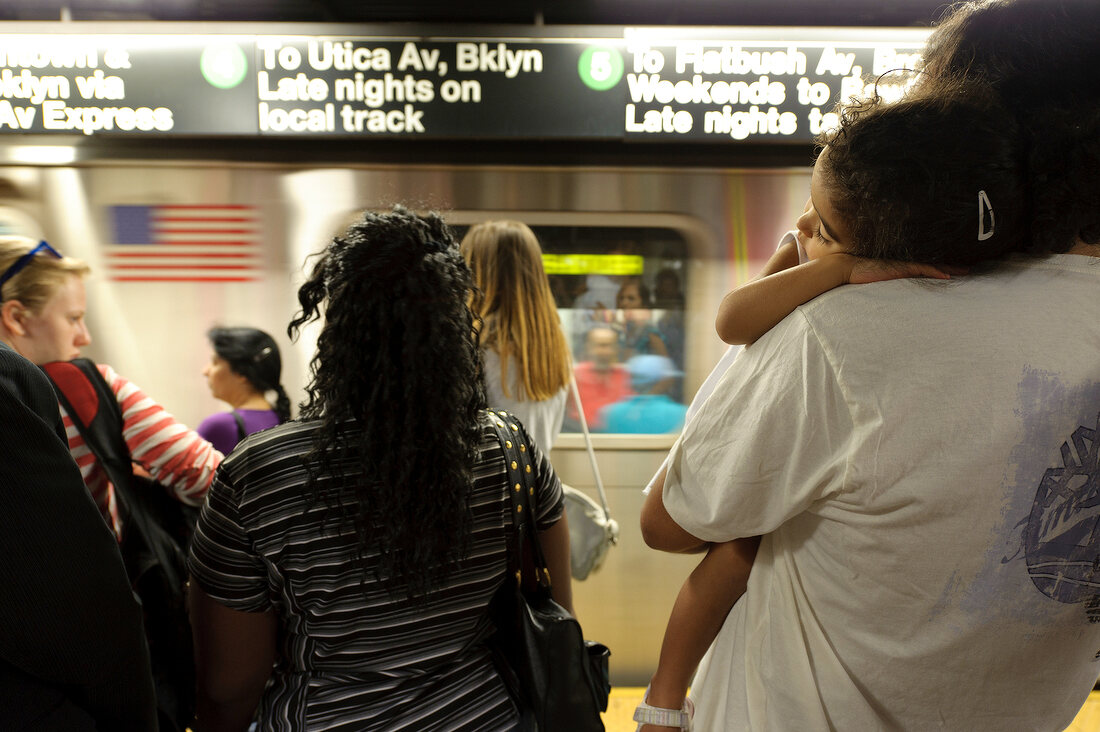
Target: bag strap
{"x":241,"y":431}
{"x":95,"y":413}
{"x":521,"y":490}
{"x":591,"y":452}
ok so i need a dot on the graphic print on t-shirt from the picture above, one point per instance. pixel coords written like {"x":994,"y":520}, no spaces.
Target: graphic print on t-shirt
{"x":1059,"y":528}
{"x":1062,"y":534}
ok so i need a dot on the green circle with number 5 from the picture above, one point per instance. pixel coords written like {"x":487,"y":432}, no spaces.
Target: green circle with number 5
{"x":600,"y":67}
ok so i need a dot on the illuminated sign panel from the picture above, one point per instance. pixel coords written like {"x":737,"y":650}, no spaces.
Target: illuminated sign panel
{"x":667,"y":84}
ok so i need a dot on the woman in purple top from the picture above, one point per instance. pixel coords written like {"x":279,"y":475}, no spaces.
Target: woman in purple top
{"x":243,"y":369}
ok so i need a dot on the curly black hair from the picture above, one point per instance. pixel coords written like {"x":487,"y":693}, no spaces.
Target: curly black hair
{"x":396,"y":384}
{"x":907,"y":179}
{"x":1042,"y":59}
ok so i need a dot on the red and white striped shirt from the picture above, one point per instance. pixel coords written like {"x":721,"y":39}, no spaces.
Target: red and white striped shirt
{"x":175,"y":456}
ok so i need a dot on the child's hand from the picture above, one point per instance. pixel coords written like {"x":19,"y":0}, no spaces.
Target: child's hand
{"x":878,"y":270}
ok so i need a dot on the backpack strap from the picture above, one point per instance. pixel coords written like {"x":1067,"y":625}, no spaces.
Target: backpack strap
{"x":242,"y":432}
{"x":95,"y":413}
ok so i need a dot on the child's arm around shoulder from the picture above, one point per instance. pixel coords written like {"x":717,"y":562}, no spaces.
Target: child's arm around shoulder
{"x":756,"y":307}
{"x":751,"y":310}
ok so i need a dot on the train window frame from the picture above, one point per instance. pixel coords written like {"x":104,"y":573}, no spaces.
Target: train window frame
{"x":700,"y":340}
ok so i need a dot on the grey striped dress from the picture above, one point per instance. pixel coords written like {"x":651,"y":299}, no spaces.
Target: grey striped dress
{"x":350,"y":657}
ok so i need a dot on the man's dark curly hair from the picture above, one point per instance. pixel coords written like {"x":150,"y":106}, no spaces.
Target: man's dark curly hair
{"x":396,"y":384}
{"x":906,"y":179}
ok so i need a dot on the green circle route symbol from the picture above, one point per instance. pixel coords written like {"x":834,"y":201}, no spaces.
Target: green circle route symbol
{"x":600,"y":67}
{"x":223,"y":65}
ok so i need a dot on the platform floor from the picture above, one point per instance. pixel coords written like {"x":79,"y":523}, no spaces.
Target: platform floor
{"x":620,"y":709}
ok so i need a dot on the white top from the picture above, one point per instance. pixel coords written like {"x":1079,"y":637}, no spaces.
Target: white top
{"x":727,"y":359}
{"x":921,"y":458}
{"x":542,"y":419}
{"x":731,"y":352}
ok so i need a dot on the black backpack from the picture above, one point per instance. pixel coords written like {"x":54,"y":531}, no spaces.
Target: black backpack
{"x":156,"y":530}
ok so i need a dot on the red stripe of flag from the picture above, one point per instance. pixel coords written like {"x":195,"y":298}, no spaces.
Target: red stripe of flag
{"x":183,"y":266}
{"x":174,"y":230}
{"x":197,"y":206}
{"x":204,"y":255}
{"x":228,"y":219}
{"x":155,"y":278}
{"x":202,"y":242}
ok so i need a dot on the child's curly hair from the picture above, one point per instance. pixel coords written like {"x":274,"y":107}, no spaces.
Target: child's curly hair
{"x":908,"y":178}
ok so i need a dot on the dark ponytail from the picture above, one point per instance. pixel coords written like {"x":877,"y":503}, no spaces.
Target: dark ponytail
{"x":282,"y":403}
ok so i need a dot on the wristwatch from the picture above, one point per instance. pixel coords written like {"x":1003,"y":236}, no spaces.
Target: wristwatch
{"x":646,"y":714}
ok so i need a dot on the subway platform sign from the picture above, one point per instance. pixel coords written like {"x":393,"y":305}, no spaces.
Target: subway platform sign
{"x":557,"y":83}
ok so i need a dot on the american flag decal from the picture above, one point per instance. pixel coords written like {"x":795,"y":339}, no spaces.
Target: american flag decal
{"x":184,"y":243}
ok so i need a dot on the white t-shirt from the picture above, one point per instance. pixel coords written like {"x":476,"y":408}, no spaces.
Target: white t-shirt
{"x":542,"y":419}
{"x":725,"y":362}
{"x":921,"y":458}
{"x":731,"y":352}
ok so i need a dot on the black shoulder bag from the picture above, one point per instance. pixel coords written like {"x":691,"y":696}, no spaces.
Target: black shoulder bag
{"x":155,"y":531}
{"x":559,"y":680}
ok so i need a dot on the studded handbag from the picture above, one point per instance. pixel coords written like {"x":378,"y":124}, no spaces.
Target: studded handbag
{"x":558,"y":680}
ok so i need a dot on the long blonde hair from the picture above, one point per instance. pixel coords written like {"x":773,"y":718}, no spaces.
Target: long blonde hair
{"x":515,"y":304}
{"x":37,"y":282}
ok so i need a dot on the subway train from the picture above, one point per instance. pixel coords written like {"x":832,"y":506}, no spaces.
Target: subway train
{"x":703,"y":217}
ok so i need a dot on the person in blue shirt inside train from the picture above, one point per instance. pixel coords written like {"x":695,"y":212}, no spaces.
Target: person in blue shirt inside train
{"x":649,"y":410}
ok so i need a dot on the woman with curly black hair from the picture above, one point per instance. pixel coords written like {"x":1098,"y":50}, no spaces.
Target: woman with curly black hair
{"x":344,"y":564}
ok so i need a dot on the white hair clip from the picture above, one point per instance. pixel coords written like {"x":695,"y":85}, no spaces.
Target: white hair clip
{"x":983,"y":206}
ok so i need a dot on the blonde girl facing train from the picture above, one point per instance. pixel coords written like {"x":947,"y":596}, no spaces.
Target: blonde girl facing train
{"x":527,"y":361}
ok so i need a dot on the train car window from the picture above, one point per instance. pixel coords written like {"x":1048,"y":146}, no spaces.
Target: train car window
{"x":620,"y":292}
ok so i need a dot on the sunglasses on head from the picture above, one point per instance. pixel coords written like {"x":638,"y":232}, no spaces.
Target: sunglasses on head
{"x":23,"y":261}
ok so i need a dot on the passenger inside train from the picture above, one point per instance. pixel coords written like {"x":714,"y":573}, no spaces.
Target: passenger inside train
{"x":639,"y":334}
{"x":245,"y":365}
{"x":649,"y":409}
{"x":910,"y":229}
{"x":601,"y":377}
